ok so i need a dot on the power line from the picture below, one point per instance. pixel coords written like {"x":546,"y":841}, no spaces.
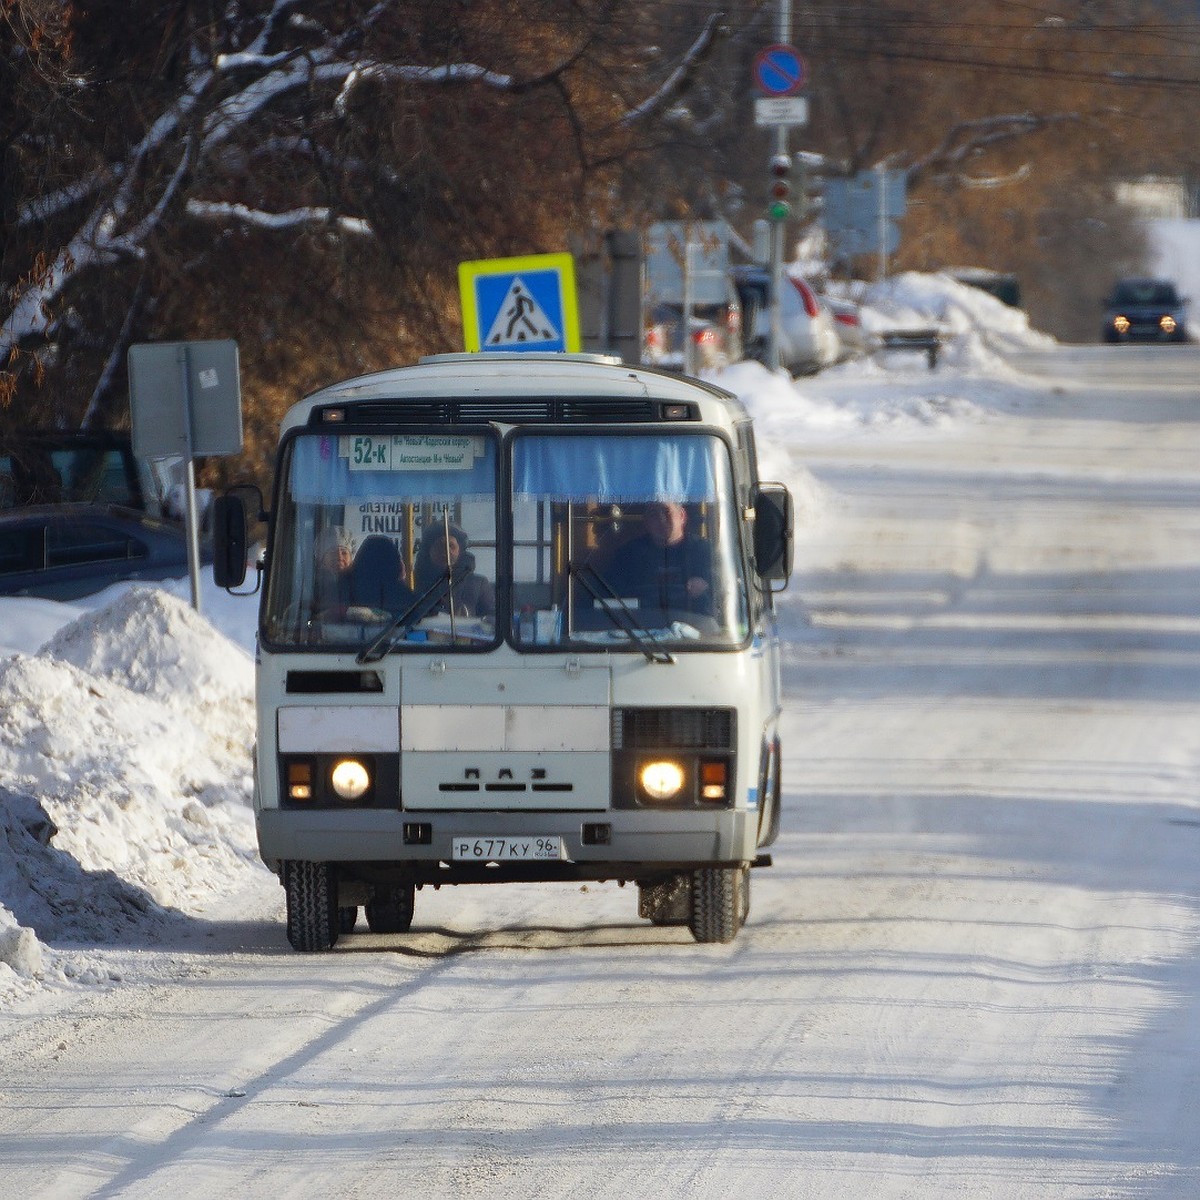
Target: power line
{"x":1113,"y":76}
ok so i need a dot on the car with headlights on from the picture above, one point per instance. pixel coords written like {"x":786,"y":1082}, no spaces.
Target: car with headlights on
{"x":1144,"y":310}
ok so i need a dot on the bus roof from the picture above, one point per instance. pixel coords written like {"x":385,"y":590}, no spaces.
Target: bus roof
{"x":497,"y":375}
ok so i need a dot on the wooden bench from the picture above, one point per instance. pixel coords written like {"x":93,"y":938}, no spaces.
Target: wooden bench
{"x":928,"y":340}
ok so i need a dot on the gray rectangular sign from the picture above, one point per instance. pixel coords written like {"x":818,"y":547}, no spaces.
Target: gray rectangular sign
{"x":667,"y":252}
{"x":185,"y":398}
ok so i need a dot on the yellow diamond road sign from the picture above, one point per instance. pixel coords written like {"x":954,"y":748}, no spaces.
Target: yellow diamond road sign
{"x":523,"y":303}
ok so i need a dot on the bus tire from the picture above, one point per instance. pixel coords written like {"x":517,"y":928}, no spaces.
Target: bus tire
{"x":312,"y":910}
{"x":666,"y":901}
{"x":390,"y":909}
{"x":720,"y":903}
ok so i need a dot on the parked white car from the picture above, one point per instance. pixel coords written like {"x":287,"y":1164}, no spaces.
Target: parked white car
{"x":848,"y":318}
{"x":808,"y":332}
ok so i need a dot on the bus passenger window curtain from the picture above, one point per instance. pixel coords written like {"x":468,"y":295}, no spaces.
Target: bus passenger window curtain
{"x":608,"y":469}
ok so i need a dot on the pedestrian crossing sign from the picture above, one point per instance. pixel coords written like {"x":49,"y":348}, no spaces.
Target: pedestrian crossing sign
{"x":523,"y":303}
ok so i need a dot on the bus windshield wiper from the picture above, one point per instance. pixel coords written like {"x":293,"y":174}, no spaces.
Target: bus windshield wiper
{"x":619,"y":613}
{"x":420,"y":608}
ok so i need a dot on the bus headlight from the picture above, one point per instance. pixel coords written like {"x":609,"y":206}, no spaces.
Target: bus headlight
{"x":661,"y":780}
{"x":350,"y":779}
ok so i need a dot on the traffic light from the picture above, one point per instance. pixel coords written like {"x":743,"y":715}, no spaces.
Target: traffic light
{"x":812,"y":195}
{"x":781,"y":189}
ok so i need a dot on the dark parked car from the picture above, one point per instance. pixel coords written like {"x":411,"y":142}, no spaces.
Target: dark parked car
{"x":57,"y":467}
{"x":64,"y":551}
{"x":1006,"y":288}
{"x":1144,"y":310}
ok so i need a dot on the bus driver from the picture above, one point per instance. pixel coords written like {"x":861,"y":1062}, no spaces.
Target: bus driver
{"x":665,"y":567}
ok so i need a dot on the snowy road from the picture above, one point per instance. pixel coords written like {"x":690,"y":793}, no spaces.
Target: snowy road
{"x":973,"y":969}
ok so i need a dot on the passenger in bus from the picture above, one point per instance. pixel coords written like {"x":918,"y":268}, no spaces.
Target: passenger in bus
{"x":335,"y":556}
{"x":379,"y":577}
{"x":443,"y":550}
{"x":665,"y":567}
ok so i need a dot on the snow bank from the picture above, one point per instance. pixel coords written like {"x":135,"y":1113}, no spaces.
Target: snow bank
{"x":125,"y":756}
{"x":979,"y":325}
{"x":779,"y":408}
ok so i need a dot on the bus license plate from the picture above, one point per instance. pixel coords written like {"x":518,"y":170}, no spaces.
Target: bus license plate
{"x":505,"y":849}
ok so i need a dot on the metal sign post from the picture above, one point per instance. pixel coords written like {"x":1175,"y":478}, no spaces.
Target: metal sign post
{"x":191,"y":521}
{"x":774,"y":357}
{"x":779,"y":75}
{"x":185,"y":399}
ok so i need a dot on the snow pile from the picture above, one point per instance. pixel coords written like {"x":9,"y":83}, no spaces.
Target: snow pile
{"x":779,"y":405}
{"x":853,"y":399}
{"x":157,"y":646}
{"x":896,"y":391}
{"x":133,"y":727}
{"x":977,"y":323}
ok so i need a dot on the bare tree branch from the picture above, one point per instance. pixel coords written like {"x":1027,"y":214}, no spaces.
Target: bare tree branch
{"x":211,"y":210}
{"x":679,"y":77}
{"x":967,"y":138}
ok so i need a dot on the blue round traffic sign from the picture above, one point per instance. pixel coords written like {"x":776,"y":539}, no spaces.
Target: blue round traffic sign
{"x":779,"y":71}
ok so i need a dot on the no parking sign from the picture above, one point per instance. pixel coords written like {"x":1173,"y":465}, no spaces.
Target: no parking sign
{"x":779,"y":71}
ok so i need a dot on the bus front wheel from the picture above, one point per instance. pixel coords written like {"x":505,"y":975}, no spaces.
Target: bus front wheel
{"x":720,"y":903}
{"x":312,"y":908}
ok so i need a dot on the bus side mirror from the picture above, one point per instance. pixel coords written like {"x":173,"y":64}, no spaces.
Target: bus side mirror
{"x":229,"y":533}
{"x":773,"y":532}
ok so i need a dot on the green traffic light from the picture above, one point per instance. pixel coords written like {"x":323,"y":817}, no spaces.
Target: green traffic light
{"x":779,"y":210}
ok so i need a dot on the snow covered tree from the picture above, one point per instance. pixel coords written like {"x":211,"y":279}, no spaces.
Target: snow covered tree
{"x":301,"y":175}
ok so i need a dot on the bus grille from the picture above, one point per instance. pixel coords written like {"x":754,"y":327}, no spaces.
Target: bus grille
{"x":673,"y":728}
{"x":512,"y":410}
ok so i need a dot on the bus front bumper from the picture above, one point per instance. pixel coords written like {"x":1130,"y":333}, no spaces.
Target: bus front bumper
{"x":419,"y":847}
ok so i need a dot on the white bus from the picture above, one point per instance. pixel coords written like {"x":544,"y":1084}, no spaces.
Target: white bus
{"x":516,"y":624}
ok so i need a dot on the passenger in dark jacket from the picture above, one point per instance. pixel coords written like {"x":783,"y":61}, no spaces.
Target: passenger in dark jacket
{"x":377,"y":578}
{"x":444,"y":549}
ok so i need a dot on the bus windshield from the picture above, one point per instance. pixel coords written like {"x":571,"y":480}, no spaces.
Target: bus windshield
{"x":625,"y":541}
{"x":385,"y":530}
{"x":617,"y":542}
